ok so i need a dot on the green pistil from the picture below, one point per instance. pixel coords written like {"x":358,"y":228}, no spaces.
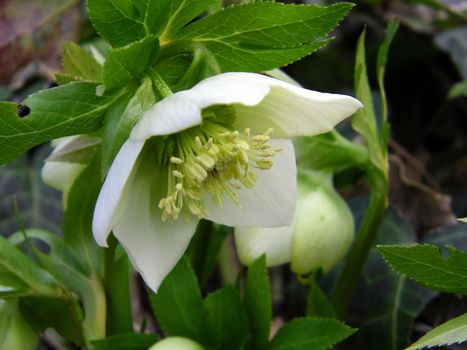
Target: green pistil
{"x":211,"y":158}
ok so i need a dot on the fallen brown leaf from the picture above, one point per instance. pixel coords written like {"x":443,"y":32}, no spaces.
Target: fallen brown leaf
{"x":32,"y":33}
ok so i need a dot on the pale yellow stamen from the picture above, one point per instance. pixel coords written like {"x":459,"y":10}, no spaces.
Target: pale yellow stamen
{"x":176,"y":160}
{"x":211,"y":159}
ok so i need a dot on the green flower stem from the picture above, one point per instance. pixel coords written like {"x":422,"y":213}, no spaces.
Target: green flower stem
{"x":351,"y":272}
{"x":229,"y":268}
{"x":117,"y":287}
{"x":96,"y":311}
{"x":198,"y":248}
{"x":71,"y":305}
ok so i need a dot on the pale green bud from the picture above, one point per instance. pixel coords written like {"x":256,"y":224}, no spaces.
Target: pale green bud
{"x":323,"y":226}
{"x":66,"y":162}
{"x":176,"y":343}
{"x":320,"y":235}
{"x":15,"y":332}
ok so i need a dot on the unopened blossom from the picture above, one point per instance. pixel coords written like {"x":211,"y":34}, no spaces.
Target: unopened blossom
{"x":176,"y":343}
{"x":60,"y":175}
{"x":320,"y":235}
{"x":218,"y":151}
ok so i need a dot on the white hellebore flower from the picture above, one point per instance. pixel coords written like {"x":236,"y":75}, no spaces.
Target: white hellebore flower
{"x":321,"y":233}
{"x":217,"y":151}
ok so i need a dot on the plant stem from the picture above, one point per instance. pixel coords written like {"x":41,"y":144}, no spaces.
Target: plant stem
{"x":368,"y":232}
{"x":117,"y":287}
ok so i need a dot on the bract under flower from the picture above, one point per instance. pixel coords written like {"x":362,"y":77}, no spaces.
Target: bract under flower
{"x":217,"y":151}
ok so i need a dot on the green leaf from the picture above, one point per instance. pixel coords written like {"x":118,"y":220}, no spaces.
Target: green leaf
{"x":227,"y":319}
{"x":381,"y":63}
{"x":62,"y":315}
{"x":121,"y":22}
{"x":364,"y":120}
{"x":15,"y":332}
{"x":330,"y":150}
{"x":178,"y":305}
{"x":69,"y":268}
{"x":20,"y":276}
{"x":172,"y":68}
{"x":458,"y":90}
{"x":204,"y":248}
{"x":121,"y":118}
{"x":318,"y":304}
{"x":263,"y":36}
{"x":80,"y":64}
{"x":130,"y":341}
{"x":65,"y":110}
{"x":77,"y":233}
{"x":175,"y":14}
{"x":310,"y":333}
{"x":450,"y":332}
{"x":58,"y":249}
{"x":425,"y":264}
{"x":183,"y":64}
{"x":258,"y":303}
{"x":77,"y":221}
{"x":129,"y":62}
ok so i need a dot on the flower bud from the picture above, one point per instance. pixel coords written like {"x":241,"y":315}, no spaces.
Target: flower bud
{"x":323,"y":226}
{"x":15,"y":332}
{"x":61,"y":173}
{"x":176,"y":343}
{"x":320,"y":235}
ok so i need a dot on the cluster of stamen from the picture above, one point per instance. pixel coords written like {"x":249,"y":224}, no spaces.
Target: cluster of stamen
{"x":213,"y":159}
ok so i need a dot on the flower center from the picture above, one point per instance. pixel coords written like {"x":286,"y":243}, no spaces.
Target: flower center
{"x":211,"y":158}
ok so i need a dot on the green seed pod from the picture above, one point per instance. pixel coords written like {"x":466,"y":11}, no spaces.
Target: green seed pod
{"x":176,"y":343}
{"x":15,"y":332}
{"x":323,"y":226}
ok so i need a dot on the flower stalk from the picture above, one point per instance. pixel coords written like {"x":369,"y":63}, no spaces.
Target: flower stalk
{"x":116,"y":284}
{"x":367,"y":234}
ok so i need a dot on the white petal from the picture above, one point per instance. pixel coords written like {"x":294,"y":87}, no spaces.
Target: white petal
{"x":122,"y":169}
{"x":60,"y":175}
{"x":154,"y":247}
{"x":271,"y":201}
{"x":182,"y":110}
{"x":230,"y":88}
{"x":261,"y":102}
{"x":172,"y":114}
{"x":291,"y":110}
{"x":275,"y":242}
{"x":61,"y":142}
